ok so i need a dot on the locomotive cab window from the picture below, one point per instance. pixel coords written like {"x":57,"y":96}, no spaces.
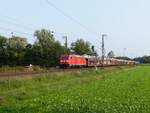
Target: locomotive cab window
{"x":64,"y":58}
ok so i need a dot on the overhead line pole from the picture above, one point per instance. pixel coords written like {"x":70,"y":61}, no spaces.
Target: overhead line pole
{"x":103,"y":48}
{"x":12,"y":34}
{"x":66,"y":41}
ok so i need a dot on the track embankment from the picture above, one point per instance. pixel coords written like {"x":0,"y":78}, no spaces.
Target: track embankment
{"x":51,"y":71}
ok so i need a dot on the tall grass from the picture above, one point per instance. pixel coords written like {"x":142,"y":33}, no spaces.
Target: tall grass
{"x":111,"y":90}
{"x":8,"y":69}
{"x":5,"y":69}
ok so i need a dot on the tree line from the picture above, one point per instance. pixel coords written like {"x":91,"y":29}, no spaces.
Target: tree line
{"x":144,"y":59}
{"x":45,"y":51}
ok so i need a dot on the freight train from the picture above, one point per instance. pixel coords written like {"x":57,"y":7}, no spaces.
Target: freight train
{"x":86,"y":61}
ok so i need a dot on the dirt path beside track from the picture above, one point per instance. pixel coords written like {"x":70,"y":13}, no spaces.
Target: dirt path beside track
{"x":11,"y":75}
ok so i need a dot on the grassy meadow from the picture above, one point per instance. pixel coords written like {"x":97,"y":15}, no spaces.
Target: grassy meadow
{"x":109,"y":90}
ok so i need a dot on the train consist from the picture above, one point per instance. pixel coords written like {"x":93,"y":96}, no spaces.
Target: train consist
{"x":86,"y":61}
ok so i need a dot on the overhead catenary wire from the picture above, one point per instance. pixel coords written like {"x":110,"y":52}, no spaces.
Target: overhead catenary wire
{"x":74,"y":20}
{"x":30,"y":27}
{"x":18,"y":22}
{"x":71,"y":18}
{"x":8,"y":29}
{"x":18,"y":25}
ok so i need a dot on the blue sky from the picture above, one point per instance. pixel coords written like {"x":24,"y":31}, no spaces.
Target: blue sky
{"x":126,"y":22}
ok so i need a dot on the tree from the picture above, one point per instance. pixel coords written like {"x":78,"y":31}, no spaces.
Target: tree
{"x":16,"y":50}
{"x":111,"y":54}
{"x":46,"y":49}
{"x":56,"y":52}
{"x":3,"y":51}
{"x":81,"y":47}
{"x":28,"y":57}
{"x":42,"y":48}
{"x":144,"y":59}
{"x":2,"y":41}
{"x":124,"y":58}
{"x":45,"y":38}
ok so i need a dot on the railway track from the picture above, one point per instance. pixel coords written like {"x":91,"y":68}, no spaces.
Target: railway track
{"x":32,"y":73}
{"x":49,"y":71}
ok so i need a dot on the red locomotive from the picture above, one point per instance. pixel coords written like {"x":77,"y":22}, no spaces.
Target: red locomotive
{"x":84,"y":61}
{"x":72,"y":60}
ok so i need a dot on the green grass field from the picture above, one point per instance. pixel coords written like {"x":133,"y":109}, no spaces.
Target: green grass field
{"x":110,"y":90}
